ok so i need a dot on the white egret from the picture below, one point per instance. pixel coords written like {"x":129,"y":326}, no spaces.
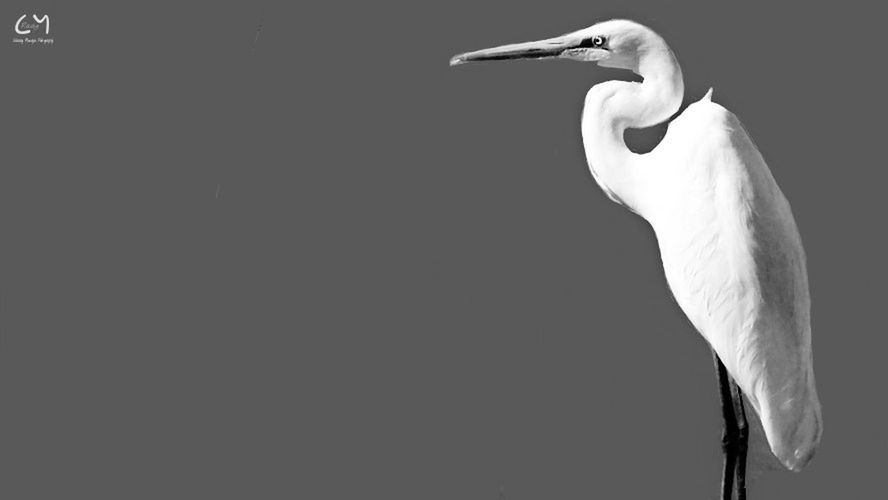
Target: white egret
{"x":730,"y":247}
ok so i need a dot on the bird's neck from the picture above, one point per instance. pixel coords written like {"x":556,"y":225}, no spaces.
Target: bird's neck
{"x":612,"y":107}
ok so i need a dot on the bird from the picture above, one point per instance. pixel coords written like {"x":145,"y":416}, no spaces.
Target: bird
{"x":731,"y":250}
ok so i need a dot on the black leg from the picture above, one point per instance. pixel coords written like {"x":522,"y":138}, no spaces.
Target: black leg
{"x":742,"y":439}
{"x":729,"y":434}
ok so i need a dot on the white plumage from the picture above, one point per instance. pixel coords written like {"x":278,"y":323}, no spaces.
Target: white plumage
{"x":730,"y":247}
{"x":734,"y":261}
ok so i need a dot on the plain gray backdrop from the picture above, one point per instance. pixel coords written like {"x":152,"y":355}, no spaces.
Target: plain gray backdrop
{"x":320,"y":263}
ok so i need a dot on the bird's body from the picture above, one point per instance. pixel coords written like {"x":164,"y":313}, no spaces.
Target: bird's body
{"x":734,"y":261}
{"x":730,"y":247}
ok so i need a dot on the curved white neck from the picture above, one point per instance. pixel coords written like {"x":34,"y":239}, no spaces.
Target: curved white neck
{"x":612,"y":107}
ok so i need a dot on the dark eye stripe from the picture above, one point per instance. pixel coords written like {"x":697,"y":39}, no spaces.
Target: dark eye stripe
{"x":593,"y":42}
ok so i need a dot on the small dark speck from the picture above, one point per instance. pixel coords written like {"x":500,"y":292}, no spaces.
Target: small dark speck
{"x":258,"y":30}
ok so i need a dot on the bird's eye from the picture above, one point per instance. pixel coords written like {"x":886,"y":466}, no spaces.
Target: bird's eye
{"x":594,"y":42}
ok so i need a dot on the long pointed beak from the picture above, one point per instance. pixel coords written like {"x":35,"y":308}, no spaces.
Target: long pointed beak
{"x":552,"y":47}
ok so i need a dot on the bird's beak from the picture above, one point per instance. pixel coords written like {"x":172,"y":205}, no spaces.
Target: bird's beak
{"x":552,"y":47}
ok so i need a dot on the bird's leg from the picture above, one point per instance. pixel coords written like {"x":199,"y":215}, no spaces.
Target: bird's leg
{"x":742,"y":439}
{"x":729,"y":435}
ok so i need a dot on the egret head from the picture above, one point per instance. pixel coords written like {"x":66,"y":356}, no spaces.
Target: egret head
{"x":615,"y":44}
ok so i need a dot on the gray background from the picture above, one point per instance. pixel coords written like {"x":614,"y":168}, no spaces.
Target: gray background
{"x":334,"y":267}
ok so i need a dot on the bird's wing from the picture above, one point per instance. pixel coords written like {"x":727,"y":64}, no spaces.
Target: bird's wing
{"x":734,"y":260}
